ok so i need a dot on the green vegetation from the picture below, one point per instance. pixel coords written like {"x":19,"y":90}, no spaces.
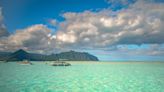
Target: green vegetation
{"x":20,"y":55}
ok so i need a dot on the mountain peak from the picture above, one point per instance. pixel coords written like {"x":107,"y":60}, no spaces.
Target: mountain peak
{"x":20,"y":51}
{"x":19,"y":55}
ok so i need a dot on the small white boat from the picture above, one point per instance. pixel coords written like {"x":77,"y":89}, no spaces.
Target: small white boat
{"x":59,"y":63}
{"x":25,"y":62}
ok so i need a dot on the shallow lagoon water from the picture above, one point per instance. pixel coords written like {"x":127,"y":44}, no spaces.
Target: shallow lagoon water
{"x":83,"y":77}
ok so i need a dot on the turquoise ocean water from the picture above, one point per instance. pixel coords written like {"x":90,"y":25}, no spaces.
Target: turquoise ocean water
{"x":83,"y":77}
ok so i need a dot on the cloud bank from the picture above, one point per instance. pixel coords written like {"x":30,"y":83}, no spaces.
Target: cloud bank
{"x":34,"y":38}
{"x":141,"y":23}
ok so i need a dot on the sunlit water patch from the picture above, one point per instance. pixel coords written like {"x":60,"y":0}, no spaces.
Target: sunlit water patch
{"x":83,"y":77}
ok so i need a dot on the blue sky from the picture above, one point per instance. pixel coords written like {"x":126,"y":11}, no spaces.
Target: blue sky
{"x":67,"y":21}
{"x":16,"y":12}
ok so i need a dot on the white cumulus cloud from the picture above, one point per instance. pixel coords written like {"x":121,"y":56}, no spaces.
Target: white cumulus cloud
{"x":33,"y":38}
{"x":140,"y":23}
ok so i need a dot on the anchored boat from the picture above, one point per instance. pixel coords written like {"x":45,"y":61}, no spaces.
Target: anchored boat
{"x":25,"y":62}
{"x":59,"y":63}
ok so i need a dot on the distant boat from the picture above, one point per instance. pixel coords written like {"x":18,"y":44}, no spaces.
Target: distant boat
{"x":59,"y":63}
{"x":3,"y":61}
{"x":25,"y":62}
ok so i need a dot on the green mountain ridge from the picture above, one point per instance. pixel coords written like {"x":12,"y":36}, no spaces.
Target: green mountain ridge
{"x":20,"y":55}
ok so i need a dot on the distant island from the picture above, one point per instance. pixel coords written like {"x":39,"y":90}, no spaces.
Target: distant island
{"x":21,"y":55}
